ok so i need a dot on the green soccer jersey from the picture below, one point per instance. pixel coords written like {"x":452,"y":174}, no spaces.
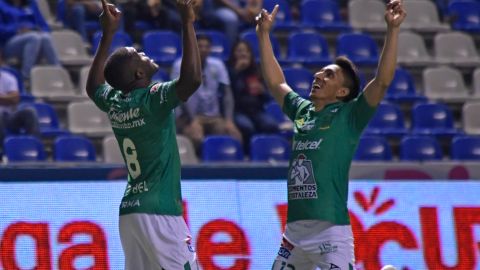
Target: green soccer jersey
{"x":322,"y":149}
{"x":144,"y":124}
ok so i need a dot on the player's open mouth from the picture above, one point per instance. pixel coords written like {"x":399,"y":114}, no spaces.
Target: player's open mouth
{"x":316,"y":86}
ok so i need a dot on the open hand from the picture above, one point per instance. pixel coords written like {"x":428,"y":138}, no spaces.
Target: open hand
{"x":395,"y":13}
{"x":265,"y":20}
{"x":110,"y":17}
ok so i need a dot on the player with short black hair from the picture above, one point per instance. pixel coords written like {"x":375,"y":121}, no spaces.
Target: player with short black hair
{"x":327,"y":129}
{"x":153,"y":232}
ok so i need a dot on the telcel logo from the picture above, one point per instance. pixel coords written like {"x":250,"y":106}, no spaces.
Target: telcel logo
{"x":306,"y":145}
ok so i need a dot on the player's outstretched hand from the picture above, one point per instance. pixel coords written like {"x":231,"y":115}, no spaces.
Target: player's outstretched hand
{"x":265,"y":20}
{"x":395,"y":13}
{"x":110,"y":17}
{"x":186,"y":10}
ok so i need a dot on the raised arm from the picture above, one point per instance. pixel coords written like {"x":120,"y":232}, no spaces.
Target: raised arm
{"x":375,"y":89}
{"x":110,"y":21}
{"x":271,"y":70}
{"x":191,"y":69}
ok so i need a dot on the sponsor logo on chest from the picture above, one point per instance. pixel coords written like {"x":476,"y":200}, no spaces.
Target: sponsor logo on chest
{"x":126,"y":119}
{"x":302,"y":145}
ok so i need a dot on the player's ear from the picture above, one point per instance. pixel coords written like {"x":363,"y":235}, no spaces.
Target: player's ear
{"x":139,"y":73}
{"x":343,"y":92}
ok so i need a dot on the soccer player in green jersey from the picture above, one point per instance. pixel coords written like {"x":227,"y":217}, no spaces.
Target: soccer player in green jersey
{"x":153,"y":232}
{"x":326,"y":132}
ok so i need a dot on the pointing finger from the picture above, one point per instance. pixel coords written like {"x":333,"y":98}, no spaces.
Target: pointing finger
{"x":104,"y":4}
{"x":274,"y":11}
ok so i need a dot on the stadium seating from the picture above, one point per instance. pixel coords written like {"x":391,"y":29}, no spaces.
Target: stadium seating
{"x":85,"y":118}
{"x":90,"y":25}
{"x":402,"y":88}
{"x":476,"y":83}
{"x":444,"y":83}
{"x":283,"y":20}
{"x":111,"y":150}
{"x":269,"y":148}
{"x":300,"y":79}
{"x":412,"y":50}
{"x":471,"y":117}
{"x":433,"y":119}
{"x":53,"y":83}
{"x":367,"y":15}
{"x":456,"y":48}
{"x":420,"y":148}
{"x":220,"y":46}
{"x":423,"y":17}
{"x":47,"y":119}
{"x":465,"y":15}
{"x":120,"y":39}
{"x":73,"y":148}
{"x":186,"y":150}
{"x":465,"y":148}
{"x":309,"y":49}
{"x":360,"y":48}
{"x":50,"y":18}
{"x":373,"y":148}
{"x":70,"y":48}
{"x":251,"y":37}
{"x":387,"y":121}
{"x":162,"y":46}
{"x":221,"y":149}
{"x":323,"y":15}
{"x":23,"y":148}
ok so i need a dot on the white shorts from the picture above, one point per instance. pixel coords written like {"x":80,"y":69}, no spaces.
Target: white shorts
{"x":332,"y":249}
{"x":156,"y":242}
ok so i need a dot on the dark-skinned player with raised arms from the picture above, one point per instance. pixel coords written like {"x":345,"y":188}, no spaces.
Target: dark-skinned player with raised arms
{"x":153,"y":232}
{"x":327,"y":128}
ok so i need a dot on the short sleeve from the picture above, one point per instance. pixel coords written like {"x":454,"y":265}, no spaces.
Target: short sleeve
{"x":223,"y":76}
{"x":9,"y":83}
{"x":360,"y":113}
{"x":293,"y":103}
{"x":162,"y":97}
{"x":102,"y":95}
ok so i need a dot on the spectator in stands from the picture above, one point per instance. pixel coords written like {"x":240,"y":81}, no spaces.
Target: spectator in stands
{"x":160,"y":14}
{"x":213,"y":14}
{"x":13,"y":120}
{"x":211,"y":108}
{"x":78,"y":11}
{"x":249,"y":93}
{"x":32,"y":40}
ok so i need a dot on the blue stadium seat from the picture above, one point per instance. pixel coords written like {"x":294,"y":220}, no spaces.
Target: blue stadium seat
{"x":220,"y":46}
{"x":387,"y":121}
{"x":300,"y":79}
{"x":24,"y":148}
{"x":283,"y":20}
{"x":90,"y":25}
{"x":420,"y":148}
{"x":47,"y":119}
{"x":221,"y":148}
{"x":309,"y":49}
{"x":269,"y":147}
{"x":402,"y":88}
{"x":323,"y":15}
{"x":360,"y":48}
{"x":162,"y":46}
{"x":73,"y":148}
{"x":251,"y":37}
{"x":465,"y":14}
{"x":465,"y":148}
{"x":24,"y":95}
{"x":143,"y":26}
{"x":120,"y":39}
{"x":433,"y":119}
{"x":373,"y":148}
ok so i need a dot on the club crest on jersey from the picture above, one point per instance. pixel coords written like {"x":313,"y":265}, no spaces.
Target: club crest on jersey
{"x":154,"y":89}
{"x":301,"y":180}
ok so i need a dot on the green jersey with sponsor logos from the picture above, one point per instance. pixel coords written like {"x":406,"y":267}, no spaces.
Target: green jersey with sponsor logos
{"x":143,"y":122}
{"x":323,"y":146}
